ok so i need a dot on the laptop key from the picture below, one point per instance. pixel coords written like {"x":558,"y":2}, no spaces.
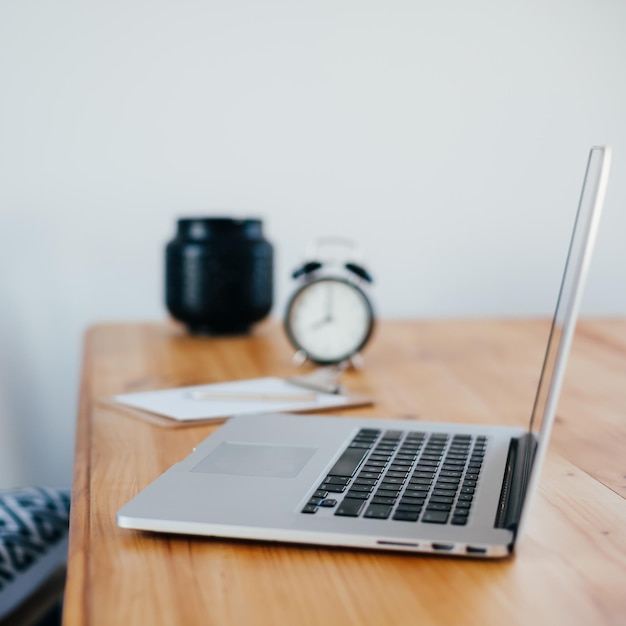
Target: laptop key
{"x":375,"y":475}
{"x":365,"y":481}
{"x":406,"y":516}
{"x":348,"y":462}
{"x":407,"y":500}
{"x":395,"y":474}
{"x":365,"y":488}
{"x":388,"y":493}
{"x":458,"y":521}
{"x":383,"y":500}
{"x":378,"y":511}
{"x":336,"y":480}
{"x":435,"y":517}
{"x":350,"y":507}
{"x":442,"y":499}
{"x":415,"y":508}
{"x":417,"y":490}
{"x":360,"y":495}
{"x":309,"y":508}
{"x":333,"y":488}
{"x":437,"y":506}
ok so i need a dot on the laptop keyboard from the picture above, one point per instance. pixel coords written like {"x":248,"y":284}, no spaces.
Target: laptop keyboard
{"x":403,"y":476}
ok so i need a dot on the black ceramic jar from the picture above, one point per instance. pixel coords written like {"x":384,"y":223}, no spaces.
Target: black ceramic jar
{"x":219,"y":274}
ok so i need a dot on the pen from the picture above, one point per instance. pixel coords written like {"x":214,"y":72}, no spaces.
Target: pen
{"x":252,"y":396}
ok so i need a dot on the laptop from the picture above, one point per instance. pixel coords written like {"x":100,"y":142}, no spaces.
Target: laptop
{"x":442,"y":488}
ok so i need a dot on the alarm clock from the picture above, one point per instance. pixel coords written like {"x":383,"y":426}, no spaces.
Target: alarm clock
{"x":330,"y":317}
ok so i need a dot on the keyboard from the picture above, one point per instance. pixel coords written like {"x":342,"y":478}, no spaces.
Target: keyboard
{"x":404,"y":476}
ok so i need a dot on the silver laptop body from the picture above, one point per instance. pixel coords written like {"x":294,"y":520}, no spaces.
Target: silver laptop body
{"x":380,"y":484}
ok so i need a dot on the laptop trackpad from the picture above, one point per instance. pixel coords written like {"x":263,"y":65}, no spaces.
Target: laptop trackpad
{"x":245,"y":459}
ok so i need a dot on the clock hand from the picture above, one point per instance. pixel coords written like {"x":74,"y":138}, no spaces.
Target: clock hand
{"x":321,"y":323}
{"x":329,"y":302}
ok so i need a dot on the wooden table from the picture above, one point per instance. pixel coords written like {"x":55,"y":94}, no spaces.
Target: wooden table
{"x":571,"y":568}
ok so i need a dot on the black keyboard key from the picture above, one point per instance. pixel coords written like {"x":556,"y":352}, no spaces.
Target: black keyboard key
{"x":375,"y":469}
{"x":350,"y":507}
{"x":436,"y":506}
{"x":392,"y":434}
{"x":348,"y":463}
{"x":463,"y":504}
{"x":373,"y":463}
{"x":415,"y":501}
{"x":328,"y":502}
{"x":417,"y":490}
{"x":383,"y":500}
{"x":448,"y":491}
{"x":414,"y":508}
{"x":448,"y":480}
{"x":406,"y":516}
{"x":375,"y":475}
{"x":451,"y":473}
{"x":446,"y":486}
{"x":458,"y":521}
{"x":416,"y":435}
{"x":435,"y":517}
{"x":365,"y":488}
{"x":442,"y":499}
{"x":438,"y":439}
{"x":418,"y":474}
{"x":332,"y":488}
{"x":468,"y":490}
{"x":392,"y":480}
{"x":425,"y":464}
{"x":336,"y":480}
{"x":365,"y":481}
{"x":379,"y":457}
{"x":320,"y":493}
{"x":388,"y":493}
{"x":309,"y":508}
{"x":461,"y":512}
{"x":400,"y":467}
{"x":359,"y":495}
{"x":378,"y":511}
{"x":395,"y":474}
{"x":420,"y":481}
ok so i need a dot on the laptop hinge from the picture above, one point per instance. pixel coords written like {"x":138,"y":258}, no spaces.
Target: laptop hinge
{"x":516,"y":474}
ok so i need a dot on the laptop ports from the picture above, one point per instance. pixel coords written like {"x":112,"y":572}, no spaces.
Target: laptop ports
{"x":443,"y":547}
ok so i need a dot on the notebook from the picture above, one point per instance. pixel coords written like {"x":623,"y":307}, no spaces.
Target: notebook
{"x":432,"y":487}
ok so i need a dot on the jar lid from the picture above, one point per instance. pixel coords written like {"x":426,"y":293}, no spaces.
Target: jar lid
{"x":199,"y":228}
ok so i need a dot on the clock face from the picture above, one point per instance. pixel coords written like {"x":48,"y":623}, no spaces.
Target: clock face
{"x":330,"y":319}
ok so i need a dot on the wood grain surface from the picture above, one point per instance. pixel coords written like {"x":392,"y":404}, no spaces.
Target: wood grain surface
{"x":570,"y":568}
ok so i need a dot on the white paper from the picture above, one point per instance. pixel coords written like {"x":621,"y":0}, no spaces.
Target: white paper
{"x":180,"y":403}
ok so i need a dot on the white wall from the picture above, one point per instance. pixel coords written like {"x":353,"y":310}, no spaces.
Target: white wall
{"x":449,"y":139}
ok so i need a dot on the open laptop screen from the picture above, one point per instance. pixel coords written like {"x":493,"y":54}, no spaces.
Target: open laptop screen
{"x":571,"y":290}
